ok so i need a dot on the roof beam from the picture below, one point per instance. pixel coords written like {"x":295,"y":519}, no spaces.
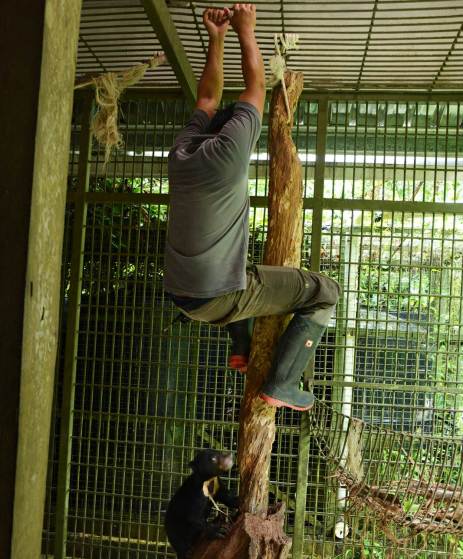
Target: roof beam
{"x":166,"y":32}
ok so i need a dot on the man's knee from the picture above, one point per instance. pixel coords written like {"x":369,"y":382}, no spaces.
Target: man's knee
{"x":326,"y":291}
{"x":323,"y":308}
{"x":321,"y":301}
{"x":331,"y":290}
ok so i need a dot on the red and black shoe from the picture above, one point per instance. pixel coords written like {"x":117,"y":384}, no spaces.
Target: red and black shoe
{"x":287,"y":397}
{"x":241,"y":343}
{"x":238,"y":362}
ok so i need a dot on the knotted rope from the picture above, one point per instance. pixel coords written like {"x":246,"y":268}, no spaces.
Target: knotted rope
{"x":108,"y":89}
{"x":283,"y":44}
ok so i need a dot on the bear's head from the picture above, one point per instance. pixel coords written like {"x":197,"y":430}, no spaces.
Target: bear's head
{"x":211,"y":463}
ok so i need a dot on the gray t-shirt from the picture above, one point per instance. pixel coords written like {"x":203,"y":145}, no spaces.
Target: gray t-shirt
{"x":207,"y":236}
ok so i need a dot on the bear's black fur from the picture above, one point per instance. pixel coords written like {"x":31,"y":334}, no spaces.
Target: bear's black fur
{"x":189,"y":508}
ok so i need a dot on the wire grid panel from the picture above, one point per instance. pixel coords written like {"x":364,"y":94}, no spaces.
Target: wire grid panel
{"x":148,"y":129}
{"x":392,"y":150}
{"x":397,"y":366}
{"x":352,"y":45}
{"x":149,"y":393}
{"x":365,"y":44}
{"x":115,"y":35}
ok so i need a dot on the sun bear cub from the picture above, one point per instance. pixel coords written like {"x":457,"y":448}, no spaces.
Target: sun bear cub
{"x":189,"y":508}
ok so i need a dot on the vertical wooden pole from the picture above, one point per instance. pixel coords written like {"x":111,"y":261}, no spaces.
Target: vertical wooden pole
{"x":283,"y":248}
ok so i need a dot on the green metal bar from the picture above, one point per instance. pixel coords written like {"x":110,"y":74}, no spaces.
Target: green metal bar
{"x":308,"y":203}
{"x":342,"y":350}
{"x":319,"y":181}
{"x":72,"y":328}
{"x":164,"y":27}
{"x":317,"y":216}
{"x":428,"y":389}
{"x":170,"y":93}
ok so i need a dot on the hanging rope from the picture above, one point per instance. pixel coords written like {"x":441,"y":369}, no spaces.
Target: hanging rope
{"x":283,"y":44}
{"x":108,"y":89}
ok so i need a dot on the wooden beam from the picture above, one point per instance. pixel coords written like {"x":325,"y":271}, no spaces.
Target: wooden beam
{"x":35,"y":111}
{"x":166,"y":32}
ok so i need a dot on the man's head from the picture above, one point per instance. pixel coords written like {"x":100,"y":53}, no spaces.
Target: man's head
{"x":219,"y":119}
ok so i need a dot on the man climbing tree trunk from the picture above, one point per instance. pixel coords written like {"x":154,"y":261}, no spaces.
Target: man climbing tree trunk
{"x":206,"y":272}
{"x":258,"y":532}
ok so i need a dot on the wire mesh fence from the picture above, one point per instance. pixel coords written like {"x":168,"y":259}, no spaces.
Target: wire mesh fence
{"x":139,"y":394}
{"x":413,"y":44}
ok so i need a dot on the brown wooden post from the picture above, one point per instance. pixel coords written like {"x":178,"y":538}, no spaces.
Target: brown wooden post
{"x":258,"y":532}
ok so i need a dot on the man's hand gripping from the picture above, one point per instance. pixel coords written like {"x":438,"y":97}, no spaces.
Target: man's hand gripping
{"x":217,"y":21}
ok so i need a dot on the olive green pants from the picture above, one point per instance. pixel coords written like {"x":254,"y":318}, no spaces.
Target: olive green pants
{"x":274,"y":290}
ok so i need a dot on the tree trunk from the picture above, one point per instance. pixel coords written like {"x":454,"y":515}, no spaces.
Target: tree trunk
{"x":258,"y":532}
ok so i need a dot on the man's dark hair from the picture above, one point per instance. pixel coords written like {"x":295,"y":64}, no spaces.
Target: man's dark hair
{"x":220,"y":118}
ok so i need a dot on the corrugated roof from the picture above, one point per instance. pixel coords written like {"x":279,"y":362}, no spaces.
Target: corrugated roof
{"x":368,"y":44}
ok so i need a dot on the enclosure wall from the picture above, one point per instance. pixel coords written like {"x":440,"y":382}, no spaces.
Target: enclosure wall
{"x":139,"y":393}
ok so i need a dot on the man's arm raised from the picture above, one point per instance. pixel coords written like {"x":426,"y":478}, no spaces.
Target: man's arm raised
{"x":243,"y":22}
{"x":210,"y":85}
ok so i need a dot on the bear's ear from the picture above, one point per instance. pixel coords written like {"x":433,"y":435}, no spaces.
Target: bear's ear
{"x":192,"y":465}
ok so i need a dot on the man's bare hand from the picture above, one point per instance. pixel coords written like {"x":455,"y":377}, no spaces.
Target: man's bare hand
{"x":244,"y":18}
{"x":216,"y":21}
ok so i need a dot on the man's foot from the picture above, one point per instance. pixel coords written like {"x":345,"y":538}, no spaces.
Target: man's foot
{"x":238,"y":362}
{"x":296,"y":347}
{"x":240,"y":334}
{"x":287,"y":397}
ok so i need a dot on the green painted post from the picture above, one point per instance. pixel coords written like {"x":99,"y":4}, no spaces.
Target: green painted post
{"x":317,"y":216}
{"x":72,"y":327}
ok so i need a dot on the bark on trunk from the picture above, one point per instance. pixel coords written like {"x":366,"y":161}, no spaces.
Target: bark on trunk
{"x":250,"y":537}
{"x":258,"y":532}
{"x":282,"y":248}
